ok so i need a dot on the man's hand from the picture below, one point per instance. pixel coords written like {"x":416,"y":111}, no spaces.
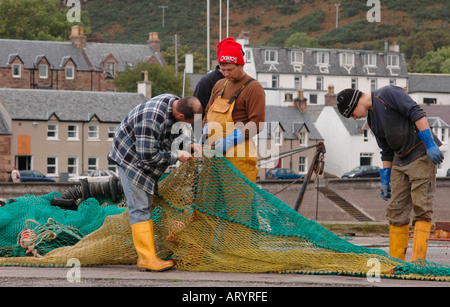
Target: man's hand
{"x":432,"y":149}
{"x":184,"y":156}
{"x":385,"y":192}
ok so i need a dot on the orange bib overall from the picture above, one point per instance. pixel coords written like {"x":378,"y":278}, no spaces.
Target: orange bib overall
{"x":221,"y":124}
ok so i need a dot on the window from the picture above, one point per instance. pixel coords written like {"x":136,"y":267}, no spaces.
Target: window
{"x":274,"y":81}
{"x":370,"y":59}
{"x":112,"y":166}
{"x":347,"y":59}
{"x":72,"y":166}
{"x":319,"y":83}
{"x":302,"y":164}
{"x":72,"y":132}
{"x":297,"y":57}
{"x":392,"y":60}
{"x":322,"y":58}
{"x":52,"y":168}
{"x":70,"y":73}
{"x":52,"y":132}
{"x":297,"y":82}
{"x":354,"y":84}
{"x":248,"y":56}
{"x":271,"y":56}
{"x":43,"y":71}
{"x":429,"y":100}
{"x":92,"y":163}
{"x":111,"y":69}
{"x":366,"y":135}
{"x":16,"y":70}
{"x":373,"y":84}
{"x":303,"y":137}
{"x":313,"y":99}
{"x":392,"y":82}
{"x":278,"y":138}
{"x":111,"y":131}
{"x":93,"y":133}
{"x":441,"y":134}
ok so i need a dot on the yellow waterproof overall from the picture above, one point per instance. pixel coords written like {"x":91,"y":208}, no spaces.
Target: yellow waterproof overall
{"x":221,"y":124}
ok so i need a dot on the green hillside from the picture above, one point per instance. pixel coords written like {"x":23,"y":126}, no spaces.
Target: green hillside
{"x":418,"y":26}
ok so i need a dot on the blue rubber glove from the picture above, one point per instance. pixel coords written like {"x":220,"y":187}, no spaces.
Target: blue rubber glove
{"x":225,"y":144}
{"x":385,"y":174}
{"x":204,"y":138}
{"x":432,"y":149}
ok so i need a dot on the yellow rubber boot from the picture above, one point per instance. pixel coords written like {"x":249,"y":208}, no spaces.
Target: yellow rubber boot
{"x":144,"y":242}
{"x":398,"y":241}
{"x":420,"y":242}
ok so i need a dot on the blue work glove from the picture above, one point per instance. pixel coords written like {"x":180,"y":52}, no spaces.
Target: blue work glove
{"x":234,"y":138}
{"x":204,"y":138}
{"x":385,"y":174}
{"x":432,"y":149}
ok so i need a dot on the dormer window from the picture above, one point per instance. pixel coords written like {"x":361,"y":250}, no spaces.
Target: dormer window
{"x":393,"y":60}
{"x":271,"y":56}
{"x":297,"y":57}
{"x":70,"y":72}
{"x":16,"y":70}
{"x":111,"y":69}
{"x":347,"y":59}
{"x":323,"y":58}
{"x":370,"y":59}
{"x":43,"y":71}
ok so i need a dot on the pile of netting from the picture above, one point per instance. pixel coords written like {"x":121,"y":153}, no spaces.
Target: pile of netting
{"x":207,"y":217}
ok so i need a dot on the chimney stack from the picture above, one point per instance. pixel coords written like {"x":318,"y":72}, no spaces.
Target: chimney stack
{"x":77,"y":37}
{"x":145,"y":86}
{"x":300,"y":101}
{"x":330,"y":97}
{"x":154,"y":41}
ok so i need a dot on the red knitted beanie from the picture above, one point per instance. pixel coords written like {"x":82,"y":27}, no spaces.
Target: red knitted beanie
{"x":229,"y":51}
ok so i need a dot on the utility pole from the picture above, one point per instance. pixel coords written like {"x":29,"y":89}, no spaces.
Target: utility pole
{"x":208,"y":47}
{"x":220,"y":20}
{"x":176,"y":55}
{"x":228,"y":18}
{"x":337,"y":14}
{"x":163,"y":7}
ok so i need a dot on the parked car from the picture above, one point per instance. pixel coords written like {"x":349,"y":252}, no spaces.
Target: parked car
{"x":363,"y":171}
{"x":34,"y":176}
{"x":94,"y":176}
{"x":282,"y":173}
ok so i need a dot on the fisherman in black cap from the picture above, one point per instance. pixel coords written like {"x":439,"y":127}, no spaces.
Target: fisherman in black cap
{"x":410,"y":153}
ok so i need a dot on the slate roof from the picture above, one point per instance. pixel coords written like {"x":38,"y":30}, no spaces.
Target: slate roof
{"x":77,"y":106}
{"x":4,"y":129}
{"x":124,"y":54}
{"x":58,"y":53}
{"x":310,"y":66}
{"x":32,"y":52}
{"x":291,"y":120}
{"x":429,"y":83}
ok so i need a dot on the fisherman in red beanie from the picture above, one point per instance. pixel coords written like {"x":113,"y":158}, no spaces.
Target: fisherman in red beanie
{"x":235,"y":111}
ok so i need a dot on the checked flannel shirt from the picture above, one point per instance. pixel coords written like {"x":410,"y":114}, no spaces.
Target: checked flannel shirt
{"x":142,"y":143}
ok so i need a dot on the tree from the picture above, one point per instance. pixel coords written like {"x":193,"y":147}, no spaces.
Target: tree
{"x":301,"y":40}
{"x":199,"y":58}
{"x":163,"y":80}
{"x":435,"y":62}
{"x":37,"y":20}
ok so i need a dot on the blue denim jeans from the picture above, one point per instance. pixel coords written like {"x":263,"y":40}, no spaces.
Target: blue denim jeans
{"x":139,"y":202}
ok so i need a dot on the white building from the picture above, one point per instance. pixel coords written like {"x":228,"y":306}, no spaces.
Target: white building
{"x":283,"y":71}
